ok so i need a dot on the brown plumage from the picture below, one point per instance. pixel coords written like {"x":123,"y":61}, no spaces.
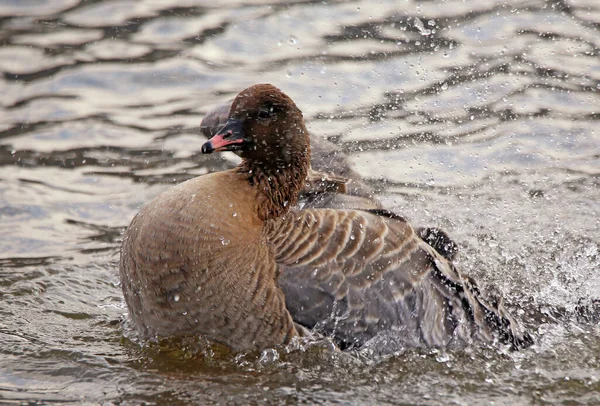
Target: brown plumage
{"x":228,"y":256}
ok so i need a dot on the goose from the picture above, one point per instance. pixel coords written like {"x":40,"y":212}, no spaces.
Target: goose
{"x":231,"y":257}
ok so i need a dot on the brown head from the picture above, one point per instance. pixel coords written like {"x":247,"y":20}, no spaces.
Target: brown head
{"x":264,"y":125}
{"x":267,"y":130}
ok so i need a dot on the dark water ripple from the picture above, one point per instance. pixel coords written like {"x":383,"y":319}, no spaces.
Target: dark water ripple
{"x":479,"y":117}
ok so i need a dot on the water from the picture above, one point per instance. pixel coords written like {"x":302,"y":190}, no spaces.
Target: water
{"x":478,"y":117}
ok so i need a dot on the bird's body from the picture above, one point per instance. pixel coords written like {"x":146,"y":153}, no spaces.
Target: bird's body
{"x":227,"y":256}
{"x":197,"y":260}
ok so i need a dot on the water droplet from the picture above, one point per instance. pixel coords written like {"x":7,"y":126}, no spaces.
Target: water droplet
{"x":419,"y":26}
{"x":268,"y":356}
{"x":352,"y":237}
{"x":292,"y":40}
{"x":444,"y":86}
{"x":443,"y":357}
{"x":234,"y":214}
{"x":225,"y":241}
{"x":176,"y":298}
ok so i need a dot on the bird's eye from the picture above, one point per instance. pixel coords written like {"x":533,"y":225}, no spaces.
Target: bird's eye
{"x":265,"y":113}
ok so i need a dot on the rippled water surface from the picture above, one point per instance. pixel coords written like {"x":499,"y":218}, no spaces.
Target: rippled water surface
{"x":481,"y":117}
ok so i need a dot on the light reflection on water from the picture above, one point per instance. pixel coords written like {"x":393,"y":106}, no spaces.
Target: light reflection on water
{"x":479,"y":117}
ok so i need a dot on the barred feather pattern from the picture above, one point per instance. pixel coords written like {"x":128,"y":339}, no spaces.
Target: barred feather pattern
{"x":353,"y":274}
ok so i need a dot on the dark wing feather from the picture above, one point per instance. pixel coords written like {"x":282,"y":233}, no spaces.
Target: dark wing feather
{"x":355,"y":274}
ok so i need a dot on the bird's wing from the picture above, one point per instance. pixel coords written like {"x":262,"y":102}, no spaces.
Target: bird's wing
{"x":354,"y":274}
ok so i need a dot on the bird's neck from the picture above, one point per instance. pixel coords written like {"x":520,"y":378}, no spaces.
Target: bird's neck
{"x":278,"y":183}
